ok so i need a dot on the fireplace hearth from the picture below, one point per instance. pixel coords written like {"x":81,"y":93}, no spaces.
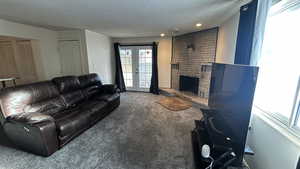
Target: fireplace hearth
{"x":189,"y":84}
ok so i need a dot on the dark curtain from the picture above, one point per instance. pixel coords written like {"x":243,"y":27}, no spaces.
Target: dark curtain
{"x":298,"y":164}
{"x":119,"y":72}
{"x":154,"y":79}
{"x":245,"y":33}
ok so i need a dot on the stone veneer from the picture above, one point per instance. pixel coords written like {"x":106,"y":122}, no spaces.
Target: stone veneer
{"x":192,"y":55}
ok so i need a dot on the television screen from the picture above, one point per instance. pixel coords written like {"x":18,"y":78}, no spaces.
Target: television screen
{"x":231,"y":94}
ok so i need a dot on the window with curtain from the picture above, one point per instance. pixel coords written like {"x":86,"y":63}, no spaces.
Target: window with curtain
{"x":277,"y":91}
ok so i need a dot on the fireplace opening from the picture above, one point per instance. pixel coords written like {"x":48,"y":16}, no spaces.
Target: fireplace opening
{"x":189,"y":84}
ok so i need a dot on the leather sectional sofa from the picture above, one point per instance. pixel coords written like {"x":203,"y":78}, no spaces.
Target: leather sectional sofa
{"x":43,"y":117}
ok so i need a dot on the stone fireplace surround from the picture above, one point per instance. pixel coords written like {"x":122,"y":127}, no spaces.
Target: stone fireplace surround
{"x":193,"y":54}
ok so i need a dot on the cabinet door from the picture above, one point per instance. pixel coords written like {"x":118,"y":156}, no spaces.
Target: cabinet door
{"x":70,"y":54}
{"x":25,"y":62}
{"x":7,"y":61}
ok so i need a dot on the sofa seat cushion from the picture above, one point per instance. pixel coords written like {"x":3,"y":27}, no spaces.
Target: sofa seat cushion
{"x":73,"y":98}
{"x":95,"y":107}
{"x":108,"y":97}
{"x":48,"y":107}
{"x":73,"y":122}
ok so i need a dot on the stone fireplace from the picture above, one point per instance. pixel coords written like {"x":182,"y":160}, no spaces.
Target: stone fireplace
{"x":193,"y":54}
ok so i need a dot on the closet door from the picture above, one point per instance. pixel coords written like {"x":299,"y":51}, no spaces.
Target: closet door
{"x":8,"y":66}
{"x":70,"y":54}
{"x":25,"y":62}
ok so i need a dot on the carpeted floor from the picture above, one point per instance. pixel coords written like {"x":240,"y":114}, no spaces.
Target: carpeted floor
{"x":140,"y":134}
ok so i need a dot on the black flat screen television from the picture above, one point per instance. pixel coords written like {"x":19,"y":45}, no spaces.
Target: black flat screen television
{"x":230,"y":102}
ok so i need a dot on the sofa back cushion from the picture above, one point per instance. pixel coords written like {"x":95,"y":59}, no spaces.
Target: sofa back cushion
{"x":13,"y":100}
{"x":89,"y":80}
{"x":90,"y":84}
{"x":66,"y":84}
{"x":69,"y":88}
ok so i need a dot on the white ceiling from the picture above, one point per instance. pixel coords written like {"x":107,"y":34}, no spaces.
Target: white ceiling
{"x":121,"y":18}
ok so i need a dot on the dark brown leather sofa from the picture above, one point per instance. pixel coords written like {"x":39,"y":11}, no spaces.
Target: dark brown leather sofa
{"x":43,"y":117}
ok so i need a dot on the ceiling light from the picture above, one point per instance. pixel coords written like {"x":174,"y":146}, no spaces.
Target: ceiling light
{"x":162,"y":34}
{"x":198,"y":24}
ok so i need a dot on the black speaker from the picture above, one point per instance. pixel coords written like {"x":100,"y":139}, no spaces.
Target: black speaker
{"x":298,"y":164}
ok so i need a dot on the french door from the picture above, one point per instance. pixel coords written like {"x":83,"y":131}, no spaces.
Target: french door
{"x":137,"y":67}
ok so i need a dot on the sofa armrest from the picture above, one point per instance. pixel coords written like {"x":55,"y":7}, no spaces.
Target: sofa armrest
{"x":34,"y":132}
{"x":110,"y":88}
{"x":31,"y":118}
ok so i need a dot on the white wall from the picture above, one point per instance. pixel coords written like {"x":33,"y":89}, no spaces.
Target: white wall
{"x":164,"y":56}
{"x":227,"y":40}
{"x":99,"y":52}
{"x":45,"y":41}
{"x":274,"y":146}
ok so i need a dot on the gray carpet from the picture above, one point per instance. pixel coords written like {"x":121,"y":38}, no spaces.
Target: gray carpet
{"x":140,"y":134}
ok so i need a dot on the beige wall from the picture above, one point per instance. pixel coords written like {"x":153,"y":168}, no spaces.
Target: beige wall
{"x":45,"y":46}
{"x":99,"y":55}
{"x":227,"y":40}
{"x":164,"y":56}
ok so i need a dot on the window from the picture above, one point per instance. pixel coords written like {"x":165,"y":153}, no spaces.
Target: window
{"x":137,"y":67}
{"x":277,"y":91}
{"x":126,"y":60}
{"x":145,"y":67}
{"x":297,"y":109}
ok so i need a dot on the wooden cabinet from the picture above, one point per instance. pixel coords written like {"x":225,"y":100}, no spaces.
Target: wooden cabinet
{"x":25,"y":62}
{"x":8,"y":66}
{"x":17,"y":61}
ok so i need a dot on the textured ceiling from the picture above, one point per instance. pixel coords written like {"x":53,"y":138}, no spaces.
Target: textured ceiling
{"x":121,"y":18}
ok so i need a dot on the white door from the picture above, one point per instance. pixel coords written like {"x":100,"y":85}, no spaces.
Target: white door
{"x":70,"y":54}
{"x":137,"y":67}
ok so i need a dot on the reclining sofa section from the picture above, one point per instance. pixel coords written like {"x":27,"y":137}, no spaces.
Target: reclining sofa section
{"x":43,"y":117}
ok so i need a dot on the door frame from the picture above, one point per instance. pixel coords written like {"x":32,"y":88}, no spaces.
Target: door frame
{"x":135,"y":66}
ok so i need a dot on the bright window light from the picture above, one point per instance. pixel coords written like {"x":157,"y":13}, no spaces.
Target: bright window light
{"x":279,"y":65}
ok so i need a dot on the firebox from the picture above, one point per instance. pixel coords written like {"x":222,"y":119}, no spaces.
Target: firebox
{"x":190,"y":84}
